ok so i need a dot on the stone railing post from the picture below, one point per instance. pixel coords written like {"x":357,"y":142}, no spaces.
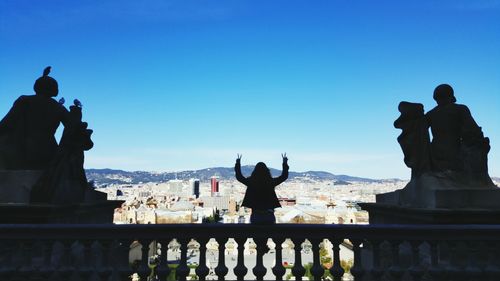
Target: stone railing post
{"x":240,"y":270}
{"x":317,"y":269}
{"x":357,"y":270}
{"x":336,"y":270}
{"x":221,"y":270}
{"x":395,"y":269}
{"x":183,"y":270}
{"x":278,"y":269}
{"x":259,"y":270}
{"x":202,"y":269}
{"x":298,"y":269}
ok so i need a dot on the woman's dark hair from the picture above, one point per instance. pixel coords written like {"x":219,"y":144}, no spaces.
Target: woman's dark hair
{"x":261,"y":173}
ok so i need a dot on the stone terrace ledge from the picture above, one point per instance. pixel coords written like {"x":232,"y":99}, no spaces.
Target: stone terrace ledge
{"x":381,"y":252}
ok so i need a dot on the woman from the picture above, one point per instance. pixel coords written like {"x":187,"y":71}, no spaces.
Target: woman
{"x":260,"y":194}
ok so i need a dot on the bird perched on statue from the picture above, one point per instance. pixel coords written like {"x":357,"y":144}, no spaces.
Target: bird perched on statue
{"x":77,"y":103}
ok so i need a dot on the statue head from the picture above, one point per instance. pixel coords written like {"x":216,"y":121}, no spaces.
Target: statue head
{"x":443,"y":94}
{"x":46,"y":85}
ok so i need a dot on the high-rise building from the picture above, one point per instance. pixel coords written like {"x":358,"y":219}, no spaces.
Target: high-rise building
{"x":215,"y":185}
{"x":194,"y":185}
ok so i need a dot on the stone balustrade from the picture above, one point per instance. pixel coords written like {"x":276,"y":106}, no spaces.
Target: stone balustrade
{"x":243,"y":252}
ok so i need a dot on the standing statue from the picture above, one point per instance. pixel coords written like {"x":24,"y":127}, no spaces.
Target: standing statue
{"x":27,"y":139}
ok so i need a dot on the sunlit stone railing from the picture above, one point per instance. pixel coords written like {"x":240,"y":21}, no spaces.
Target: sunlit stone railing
{"x":224,"y":252}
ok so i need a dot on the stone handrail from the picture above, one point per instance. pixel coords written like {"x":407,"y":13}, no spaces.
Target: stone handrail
{"x":380,"y":252}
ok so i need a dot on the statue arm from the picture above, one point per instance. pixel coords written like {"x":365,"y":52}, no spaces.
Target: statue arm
{"x":471,"y":132}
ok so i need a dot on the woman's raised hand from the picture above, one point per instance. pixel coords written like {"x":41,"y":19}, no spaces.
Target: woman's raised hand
{"x":285,"y":159}
{"x":238,"y":158}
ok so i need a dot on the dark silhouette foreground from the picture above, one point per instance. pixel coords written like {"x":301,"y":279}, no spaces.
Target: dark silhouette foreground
{"x":27,"y":142}
{"x":27,"y":139}
{"x":458,"y":149}
{"x":260,"y":195}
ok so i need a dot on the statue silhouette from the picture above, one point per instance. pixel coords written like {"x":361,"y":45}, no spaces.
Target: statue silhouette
{"x":414,"y":139}
{"x":260,"y":195}
{"x":27,"y":139}
{"x":64,"y":181}
{"x":458,"y":149}
{"x":458,"y":143}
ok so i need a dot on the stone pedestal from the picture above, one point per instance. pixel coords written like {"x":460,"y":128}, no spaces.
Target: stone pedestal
{"x":392,"y":214}
{"x":436,"y":199}
{"x":15,"y":188}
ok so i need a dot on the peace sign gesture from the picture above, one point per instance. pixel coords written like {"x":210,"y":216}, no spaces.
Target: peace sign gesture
{"x":238,"y":158}
{"x":285,"y":159}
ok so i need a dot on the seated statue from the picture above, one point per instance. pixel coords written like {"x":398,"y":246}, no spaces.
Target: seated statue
{"x":458,"y":150}
{"x":27,"y":139}
{"x":34,"y":168}
{"x":458,"y":144}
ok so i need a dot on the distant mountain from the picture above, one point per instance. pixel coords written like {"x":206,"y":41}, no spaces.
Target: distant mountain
{"x":110,"y":176}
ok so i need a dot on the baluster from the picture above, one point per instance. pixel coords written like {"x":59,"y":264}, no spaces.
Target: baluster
{"x":376,"y":271}
{"x":492,"y":269}
{"x":278,"y":269}
{"x":473,"y":272}
{"x":108,"y":256}
{"x":26,"y":268}
{"x":120,"y":260}
{"x":202,"y":269}
{"x":183,"y":270}
{"x":395,"y":270}
{"x":6,"y":266}
{"x":415,"y":269}
{"x":221,"y":270}
{"x":435,"y":271}
{"x":298,"y":270}
{"x":86,"y":266}
{"x":163,"y":269}
{"x":259,"y":270}
{"x":317,"y":269}
{"x":452,"y":271}
{"x":241,"y":270}
{"x":143,"y":269}
{"x":66,"y":260}
{"x":357,"y":269}
{"x":336,"y":270}
{"x":46,"y":269}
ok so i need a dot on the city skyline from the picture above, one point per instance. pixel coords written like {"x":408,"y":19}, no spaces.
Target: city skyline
{"x":186,"y":85}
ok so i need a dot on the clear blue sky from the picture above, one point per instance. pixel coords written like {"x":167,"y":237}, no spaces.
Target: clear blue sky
{"x":174,"y":85}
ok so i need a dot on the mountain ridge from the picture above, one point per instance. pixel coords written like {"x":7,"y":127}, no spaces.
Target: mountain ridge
{"x":108,"y":176}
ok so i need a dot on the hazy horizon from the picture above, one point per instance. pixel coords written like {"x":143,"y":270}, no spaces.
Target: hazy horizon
{"x":186,"y":85}
{"x":276,"y":168}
